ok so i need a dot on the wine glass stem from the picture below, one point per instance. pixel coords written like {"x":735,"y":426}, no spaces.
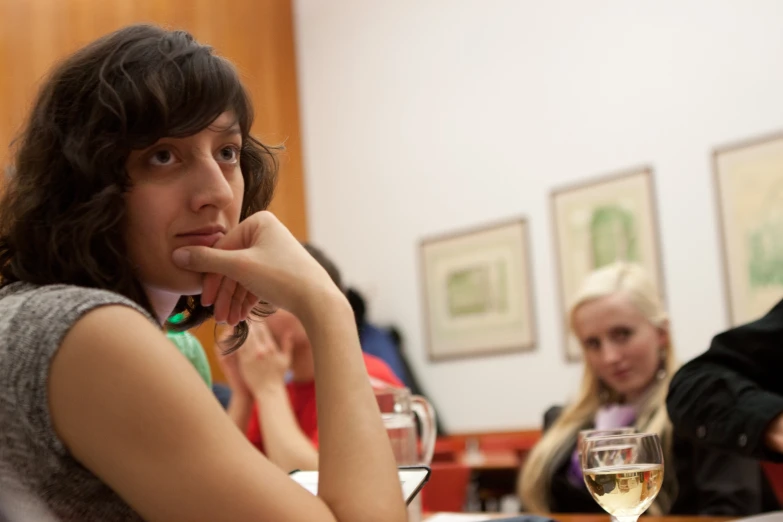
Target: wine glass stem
{"x":631,"y":518}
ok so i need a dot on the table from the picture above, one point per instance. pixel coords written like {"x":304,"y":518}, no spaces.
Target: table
{"x":600,"y":518}
{"x":605,"y":518}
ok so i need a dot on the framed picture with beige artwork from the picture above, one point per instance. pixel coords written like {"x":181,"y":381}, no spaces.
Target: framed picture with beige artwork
{"x":749,"y":188}
{"x":608,"y":219}
{"x":477,"y":291}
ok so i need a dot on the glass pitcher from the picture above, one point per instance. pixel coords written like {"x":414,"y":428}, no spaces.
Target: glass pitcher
{"x":399,"y":410}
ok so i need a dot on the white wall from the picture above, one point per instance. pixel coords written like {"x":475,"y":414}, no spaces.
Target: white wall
{"x":424,"y":116}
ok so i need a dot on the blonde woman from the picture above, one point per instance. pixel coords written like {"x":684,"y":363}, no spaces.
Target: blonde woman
{"x":623,"y":328}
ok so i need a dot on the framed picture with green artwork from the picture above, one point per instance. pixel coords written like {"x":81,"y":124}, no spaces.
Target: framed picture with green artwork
{"x":608,"y":219}
{"x":749,"y":188}
{"x":477,"y":291}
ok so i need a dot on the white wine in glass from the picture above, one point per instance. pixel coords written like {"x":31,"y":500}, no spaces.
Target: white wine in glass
{"x":623,"y":473}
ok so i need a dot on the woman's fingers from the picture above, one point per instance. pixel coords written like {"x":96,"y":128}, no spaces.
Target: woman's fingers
{"x":250,"y":302}
{"x":224,"y":299}
{"x":209,"y":290}
{"x":233,"y":303}
{"x":237,"y":300}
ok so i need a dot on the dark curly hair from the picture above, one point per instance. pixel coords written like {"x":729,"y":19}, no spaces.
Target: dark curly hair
{"x":63,"y":209}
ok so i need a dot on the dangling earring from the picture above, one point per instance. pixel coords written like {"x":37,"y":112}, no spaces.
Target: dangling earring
{"x":661,"y":374}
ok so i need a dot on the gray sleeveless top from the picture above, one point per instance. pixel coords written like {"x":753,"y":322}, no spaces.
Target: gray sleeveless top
{"x":33,"y":461}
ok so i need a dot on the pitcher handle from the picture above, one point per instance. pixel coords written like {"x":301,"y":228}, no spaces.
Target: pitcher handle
{"x":426,"y":414}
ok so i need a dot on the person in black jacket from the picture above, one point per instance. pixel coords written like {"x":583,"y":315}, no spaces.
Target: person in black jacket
{"x":731,"y":397}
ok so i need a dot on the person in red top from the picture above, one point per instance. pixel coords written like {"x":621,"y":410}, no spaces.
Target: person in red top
{"x":273,"y":395}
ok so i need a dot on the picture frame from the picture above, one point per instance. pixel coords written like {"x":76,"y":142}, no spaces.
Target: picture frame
{"x":597,"y":222}
{"x":477,"y":291}
{"x":749,"y":193}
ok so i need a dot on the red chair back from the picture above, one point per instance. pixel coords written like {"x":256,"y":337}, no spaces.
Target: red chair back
{"x":447,"y":488}
{"x":447,"y":449}
{"x":774,"y":474}
{"x":519,"y":441}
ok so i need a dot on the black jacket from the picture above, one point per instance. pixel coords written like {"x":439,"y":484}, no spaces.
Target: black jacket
{"x":726,"y":397}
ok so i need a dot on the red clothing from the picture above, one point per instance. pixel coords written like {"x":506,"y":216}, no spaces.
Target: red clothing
{"x":302,"y":397}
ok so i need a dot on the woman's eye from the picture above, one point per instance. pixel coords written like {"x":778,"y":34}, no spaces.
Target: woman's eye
{"x":228,"y":154}
{"x":591,"y":344}
{"x":162,"y":157}
{"x":621,"y":334}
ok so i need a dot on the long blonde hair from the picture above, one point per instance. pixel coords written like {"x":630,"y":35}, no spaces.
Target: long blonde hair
{"x":535,"y":479}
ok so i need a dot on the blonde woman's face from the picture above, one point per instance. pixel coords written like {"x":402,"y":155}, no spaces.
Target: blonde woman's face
{"x":621,"y":346}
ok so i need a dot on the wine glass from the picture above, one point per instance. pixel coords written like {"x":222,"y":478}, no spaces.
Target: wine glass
{"x":623,"y":473}
{"x":583,"y":434}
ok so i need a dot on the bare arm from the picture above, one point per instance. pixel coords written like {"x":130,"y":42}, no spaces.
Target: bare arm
{"x":343,"y":397}
{"x":262,"y":364}
{"x":132,"y":410}
{"x":358,"y":474}
{"x":284,"y":442}
{"x":240,"y":406}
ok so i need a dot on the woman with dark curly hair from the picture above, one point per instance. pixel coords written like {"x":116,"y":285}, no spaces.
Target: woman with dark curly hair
{"x":137,"y":194}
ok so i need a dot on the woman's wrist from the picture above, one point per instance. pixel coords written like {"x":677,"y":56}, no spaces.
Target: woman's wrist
{"x":324,"y":305}
{"x":272,"y":390}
